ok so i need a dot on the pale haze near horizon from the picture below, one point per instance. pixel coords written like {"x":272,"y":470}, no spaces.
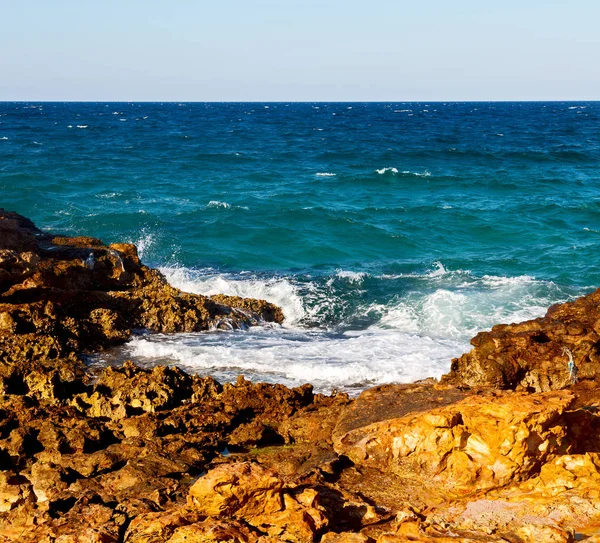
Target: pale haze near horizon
{"x":295,"y":50}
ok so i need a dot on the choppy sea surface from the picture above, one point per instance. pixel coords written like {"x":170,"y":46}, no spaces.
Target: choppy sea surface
{"x":389,"y":233}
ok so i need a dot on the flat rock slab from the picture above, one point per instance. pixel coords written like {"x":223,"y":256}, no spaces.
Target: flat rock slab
{"x":395,"y":401}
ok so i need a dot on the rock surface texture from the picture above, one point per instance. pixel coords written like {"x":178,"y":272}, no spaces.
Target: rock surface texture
{"x":535,"y":355}
{"x":506,"y":448}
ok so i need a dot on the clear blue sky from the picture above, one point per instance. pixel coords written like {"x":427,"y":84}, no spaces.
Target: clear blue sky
{"x":395,"y":50}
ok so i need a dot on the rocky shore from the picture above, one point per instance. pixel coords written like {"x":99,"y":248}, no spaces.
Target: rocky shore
{"x":505,"y":448}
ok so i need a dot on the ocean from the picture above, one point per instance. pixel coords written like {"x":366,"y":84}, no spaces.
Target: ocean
{"x":389,"y":233}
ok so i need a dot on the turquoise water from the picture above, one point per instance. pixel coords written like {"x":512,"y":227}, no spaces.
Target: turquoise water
{"x":390,"y":233}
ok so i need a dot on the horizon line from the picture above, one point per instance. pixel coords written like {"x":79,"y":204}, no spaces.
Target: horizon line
{"x":436,"y":101}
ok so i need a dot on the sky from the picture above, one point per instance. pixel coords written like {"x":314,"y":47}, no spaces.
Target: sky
{"x":299,"y":50}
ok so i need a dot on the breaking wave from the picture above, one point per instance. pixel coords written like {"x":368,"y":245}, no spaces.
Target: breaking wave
{"x":340,"y":332}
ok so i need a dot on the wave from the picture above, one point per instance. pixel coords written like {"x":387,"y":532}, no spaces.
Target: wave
{"x":394,"y":171}
{"x":108,"y":195}
{"x":280,"y":291}
{"x":325,"y":174}
{"x":224,"y":205}
{"x":216,"y":203}
{"x":351,"y":276}
{"x":383,"y":171}
{"x":328,"y":361}
{"x":341,"y":332}
{"x":444,"y":303}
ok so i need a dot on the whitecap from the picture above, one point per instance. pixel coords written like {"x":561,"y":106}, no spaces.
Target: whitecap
{"x":411,"y":336}
{"x":351,"y":276}
{"x":216,"y":203}
{"x":223,"y":205}
{"x":82,"y":126}
{"x":382,"y":171}
{"x":426,"y":173}
{"x":325,"y":174}
{"x":108,"y":195}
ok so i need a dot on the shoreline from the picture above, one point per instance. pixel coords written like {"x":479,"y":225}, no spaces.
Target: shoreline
{"x":503,"y":448}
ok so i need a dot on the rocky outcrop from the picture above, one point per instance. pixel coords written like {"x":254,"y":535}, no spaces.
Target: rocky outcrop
{"x":544,"y":354}
{"x":478,"y":443}
{"x":61,"y":296}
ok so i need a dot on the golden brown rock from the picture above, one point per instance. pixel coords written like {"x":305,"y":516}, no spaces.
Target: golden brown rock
{"x":477,"y":443}
{"x":250,"y":492}
{"x":246,"y":490}
{"x":71,"y":295}
{"x":535,"y":355}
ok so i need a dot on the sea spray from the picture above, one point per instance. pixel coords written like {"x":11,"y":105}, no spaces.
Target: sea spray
{"x":338,"y":333}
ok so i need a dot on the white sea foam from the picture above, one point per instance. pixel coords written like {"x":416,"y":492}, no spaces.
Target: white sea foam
{"x":412,"y":336}
{"x":417,"y":174}
{"x":82,"y":126}
{"x":223,"y":205}
{"x":3,"y":138}
{"x":108,"y":195}
{"x":279,"y":291}
{"x":350,"y":276}
{"x":216,"y":203}
{"x":326,"y":360}
{"x":383,"y":171}
{"x":325,"y":174}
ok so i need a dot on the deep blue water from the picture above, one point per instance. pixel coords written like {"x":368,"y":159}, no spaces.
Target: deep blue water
{"x":389,"y":232}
